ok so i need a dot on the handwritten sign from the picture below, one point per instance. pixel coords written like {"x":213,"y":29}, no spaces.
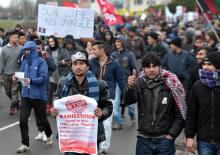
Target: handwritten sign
{"x":77,"y":125}
{"x":61,"y":21}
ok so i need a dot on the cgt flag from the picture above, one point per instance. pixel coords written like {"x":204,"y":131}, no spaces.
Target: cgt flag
{"x":212,"y":6}
{"x":110,"y":16}
{"x":70,"y":4}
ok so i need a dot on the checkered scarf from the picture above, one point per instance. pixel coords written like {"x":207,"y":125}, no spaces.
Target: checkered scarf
{"x":210,"y":79}
{"x":177,"y":90}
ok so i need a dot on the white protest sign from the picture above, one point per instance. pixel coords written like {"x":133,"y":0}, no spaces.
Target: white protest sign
{"x":77,"y":125}
{"x":61,"y":21}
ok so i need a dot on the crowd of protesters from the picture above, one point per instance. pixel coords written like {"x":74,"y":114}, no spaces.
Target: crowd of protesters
{"x":156,"y":64}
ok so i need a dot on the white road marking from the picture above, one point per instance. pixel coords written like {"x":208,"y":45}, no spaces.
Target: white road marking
{"x":9,"y":126}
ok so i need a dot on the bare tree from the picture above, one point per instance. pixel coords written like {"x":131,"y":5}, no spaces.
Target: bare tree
{"x":15,"y":9}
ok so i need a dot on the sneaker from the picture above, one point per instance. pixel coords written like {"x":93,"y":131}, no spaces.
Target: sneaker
{"x":117,"y":127}
{"x":39,"y":136}
{"x":44,"y":137}
{"x":103,"y":151}
{"x":23,"y":148}
{"x":133,"y":120}
{"x":12,"y":111}
{"x":50,"y":140}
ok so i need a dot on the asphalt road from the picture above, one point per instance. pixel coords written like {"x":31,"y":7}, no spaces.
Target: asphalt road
{"x":123,"y":141}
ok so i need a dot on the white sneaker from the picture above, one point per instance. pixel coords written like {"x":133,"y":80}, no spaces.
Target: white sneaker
{"x":103,"y":151}
{"x":50,"y":140}
{"x":23,"y":148}
{"x":44,"y":137}
{"x":39,"y":136}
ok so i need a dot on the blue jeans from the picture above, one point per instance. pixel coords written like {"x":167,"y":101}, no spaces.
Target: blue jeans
{"x":155,"y":146}
{"x":116,"y":106}
{"x":131,"y":111}
{"x":206,"y":148}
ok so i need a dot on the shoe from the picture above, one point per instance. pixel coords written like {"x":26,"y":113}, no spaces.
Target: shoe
{"x":117,"y":127}
{"x":103,"y":151}
{"x":23,"y":148}
{"x":12,"y":111}
{"x":50,"y":140}
{"x":44,"y":137}
{"x":39,"y":136}
{"x":133,"y":120}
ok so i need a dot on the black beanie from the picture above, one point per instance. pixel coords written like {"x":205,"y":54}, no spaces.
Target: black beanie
{"x":214,"y":58}
{"x":153,"y":35}
{"x":176,"y":42}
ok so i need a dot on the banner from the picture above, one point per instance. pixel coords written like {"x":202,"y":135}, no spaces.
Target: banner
{"x":77,"y":125}
{"x":61,"y":21}
{"x":108,"y":11}
{"x":210,"y":5}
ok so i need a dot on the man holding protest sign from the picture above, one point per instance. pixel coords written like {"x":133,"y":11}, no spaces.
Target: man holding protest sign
{"x":82,"y":81}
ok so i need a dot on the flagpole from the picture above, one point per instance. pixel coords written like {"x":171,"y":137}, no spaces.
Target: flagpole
{"x":213,"y":29}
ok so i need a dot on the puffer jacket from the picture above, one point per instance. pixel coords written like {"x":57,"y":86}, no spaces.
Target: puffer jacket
{"x":36,"y":69}
{"x":158,"y":113}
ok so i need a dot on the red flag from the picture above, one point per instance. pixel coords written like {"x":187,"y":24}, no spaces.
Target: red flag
{"x":212,"y":6}
{"x":108,"y":11}
{"x":70,"y":4}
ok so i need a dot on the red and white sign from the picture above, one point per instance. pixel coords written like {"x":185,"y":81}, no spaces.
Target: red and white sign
{"x":108,"y":11}
{"x":77,"y":125}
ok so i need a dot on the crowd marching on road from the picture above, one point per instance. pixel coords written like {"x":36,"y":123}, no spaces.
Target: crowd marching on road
{"x":168,"y":73}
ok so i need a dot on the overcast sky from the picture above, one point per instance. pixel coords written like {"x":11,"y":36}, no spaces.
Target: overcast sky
{"x":5,"y":3}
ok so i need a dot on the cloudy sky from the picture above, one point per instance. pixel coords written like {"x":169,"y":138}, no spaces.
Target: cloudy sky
{"x":5,"y":3}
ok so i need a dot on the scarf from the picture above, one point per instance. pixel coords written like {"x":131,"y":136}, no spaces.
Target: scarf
{"x":210,"y":79}
{"x":177,"y":90}
{"x":176,"y":87}
{"x":92,"y":85}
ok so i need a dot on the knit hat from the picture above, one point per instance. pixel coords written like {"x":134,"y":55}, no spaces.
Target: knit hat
{"x":214,"y":58}
{"x":153,"y":35}
{"x":176,"y":42}
{"x":79,"y":56}
{"x":69,"y":39}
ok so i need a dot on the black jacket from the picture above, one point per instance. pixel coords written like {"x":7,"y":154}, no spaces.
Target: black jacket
{"x":158,"y":113}
{"x":104,"y":102}
{"x":203,"y":114}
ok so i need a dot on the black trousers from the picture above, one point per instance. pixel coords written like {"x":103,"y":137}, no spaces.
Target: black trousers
{"x":39,"y":107}
{"x":52,"y":89}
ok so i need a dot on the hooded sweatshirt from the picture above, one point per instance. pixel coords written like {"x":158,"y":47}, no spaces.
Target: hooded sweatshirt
{"x":125,"y":57}
{"x":35,"y":68}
